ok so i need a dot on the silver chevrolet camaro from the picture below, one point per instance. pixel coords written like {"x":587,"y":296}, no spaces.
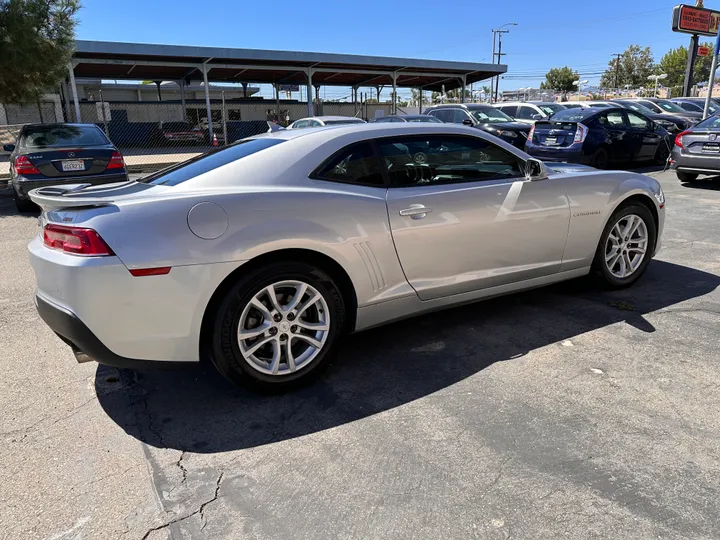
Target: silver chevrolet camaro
{"x":262,"y":254}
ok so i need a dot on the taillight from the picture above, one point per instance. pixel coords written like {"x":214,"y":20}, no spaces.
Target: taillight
{"x":23,"y":166}
{"x":116,"y":161}
{"x":531,"y":133}
{"x":679,"y":136}
{"x":75,"y":240}
{"x":580,"y":133}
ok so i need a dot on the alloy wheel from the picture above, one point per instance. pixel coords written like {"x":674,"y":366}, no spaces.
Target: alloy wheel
{"x":283,"y":327}
{"x":626,"y":246}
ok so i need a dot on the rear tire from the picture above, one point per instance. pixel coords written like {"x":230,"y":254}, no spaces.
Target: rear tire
{"x":626,"y":246}
{"x":600,"y":159}
{"x":23,"y":205}
{"x":273,"y":346}
{"x":661,"y":154}
{"x":686,"y":176}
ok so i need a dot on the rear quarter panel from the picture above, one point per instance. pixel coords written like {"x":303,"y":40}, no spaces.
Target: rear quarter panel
{"x":593,"y":198}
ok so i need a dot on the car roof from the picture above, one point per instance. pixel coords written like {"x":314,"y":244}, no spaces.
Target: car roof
{"x":459,"y":106}
{"x":56,"y":124}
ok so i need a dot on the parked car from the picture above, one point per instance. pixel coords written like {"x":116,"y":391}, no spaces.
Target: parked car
{"x":320,"y":121}
{"x":696,"y":104}
{"x":52,"y":154}
{"x":674,"y":124}
{"x":485,"y":117}
{"x":663,"y":106}
{"x":697,"y":150}
{"x":598,"y":137}
{"x":529,"y":111}
{"x":177,"y":134}
{"x":407,"y":118}
{"x":261,"y":254}
{"x":583,"y":104}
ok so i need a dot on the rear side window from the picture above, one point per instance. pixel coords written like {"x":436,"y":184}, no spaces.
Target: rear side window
{"x":58,"y":136}
{"x":355,"y":164}
{"x":207,"y":162}
{"x":510,"y":110}
{"x":525,"y":112}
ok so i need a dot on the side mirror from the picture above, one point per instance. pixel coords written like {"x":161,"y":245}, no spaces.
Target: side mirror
{"x":535,"y":170}
{"x":8,"y":147}
{"x":537,"y":117}
{"x":467,"y":122}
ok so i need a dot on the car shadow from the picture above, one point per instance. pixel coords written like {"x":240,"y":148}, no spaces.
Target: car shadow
{"x":194,"y":409}
{"x":712,"y":183}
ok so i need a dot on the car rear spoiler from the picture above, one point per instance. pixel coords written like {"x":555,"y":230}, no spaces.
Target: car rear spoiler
{"x":70,"y":196}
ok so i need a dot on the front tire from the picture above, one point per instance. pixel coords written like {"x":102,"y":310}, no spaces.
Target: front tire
{"x":277,"y":327}
{"x":686,"y":176}
{"x":626,"y":246}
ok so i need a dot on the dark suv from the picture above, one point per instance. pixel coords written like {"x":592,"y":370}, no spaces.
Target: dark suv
{"x":484,"y":117}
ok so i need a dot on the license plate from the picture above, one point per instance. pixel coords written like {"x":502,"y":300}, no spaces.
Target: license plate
{"x":550,"y":140}
{"x":73,"y":165}
{"x":711,"y":147}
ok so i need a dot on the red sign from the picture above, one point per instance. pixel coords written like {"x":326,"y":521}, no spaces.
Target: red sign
{"x":703,"y":51}
{"x":692,"y":20}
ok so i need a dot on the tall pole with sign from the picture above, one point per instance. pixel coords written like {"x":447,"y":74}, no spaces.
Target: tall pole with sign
{"x":697,"y":21}
{"x":711,"y":81}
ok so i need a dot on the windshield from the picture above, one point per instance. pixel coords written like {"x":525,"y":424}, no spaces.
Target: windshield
{"x":550,"y":108}
{"x":669,"y":106}
{"x":208,"y":161}
{"x":427,"y":118}
{"x":57,"y":136}
{"x":637,"y":107}
{"x":709,"y":123}
{"x":338,"y":122}
{"x":572,"y":115}
{"x":489,"y":115}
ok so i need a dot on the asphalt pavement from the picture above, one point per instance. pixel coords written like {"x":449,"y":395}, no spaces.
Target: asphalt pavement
{"x":564,"y":412}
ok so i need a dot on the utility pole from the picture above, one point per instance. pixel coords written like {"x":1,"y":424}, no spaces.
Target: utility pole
{"x":617,"y":70}
{"x":492,"y":61}
{"x":499,"y":57}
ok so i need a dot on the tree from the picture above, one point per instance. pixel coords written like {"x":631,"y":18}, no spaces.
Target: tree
{"x":560,"y":79}
{"x":37,"y":38}
{"x":675,"y":61}
{"x":632,"y":67}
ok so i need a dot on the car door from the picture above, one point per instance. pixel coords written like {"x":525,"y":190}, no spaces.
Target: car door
{"x":510,"y":110}
{"x":624,"y":142}
{"x":464,"y":217}
{"x":525,"y":113}
{"x":647,"y":136}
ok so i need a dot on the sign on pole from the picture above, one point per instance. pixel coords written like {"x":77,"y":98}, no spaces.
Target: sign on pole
{"x":103,"y":111}
{"x":695,"y":20}
{"x":703,"y":51}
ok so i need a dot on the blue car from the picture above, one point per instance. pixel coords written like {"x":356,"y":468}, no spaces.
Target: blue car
{"x":598,"y":137}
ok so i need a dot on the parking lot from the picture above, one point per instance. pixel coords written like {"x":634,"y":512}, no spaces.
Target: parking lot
{"x":564,"y":412}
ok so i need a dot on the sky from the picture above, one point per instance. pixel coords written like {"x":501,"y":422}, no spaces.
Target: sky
{"x":582,"y":35}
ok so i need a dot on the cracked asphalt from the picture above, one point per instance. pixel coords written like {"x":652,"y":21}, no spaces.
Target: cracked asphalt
{"x":564,"y":412}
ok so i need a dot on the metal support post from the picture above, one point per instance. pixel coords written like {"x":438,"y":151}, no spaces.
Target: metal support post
{"x":393,"y":107}
{"x":74,"y":92}
{"x":224,"y":120}
{"x":182,"y":99}
{"x":104,"y":116}
{"x":277,"y":102}
{"x":309,"y":92}
{"x":711,"y":81}
{"x":207,"y":101}
{"x":692,"y":55}
{"x":420,"y":100}
{"x":462,"y":90}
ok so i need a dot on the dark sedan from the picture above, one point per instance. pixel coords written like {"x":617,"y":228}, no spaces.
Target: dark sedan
{"x":407,"y":118}
{"x":484,"y":117}
{"x":598,"y":137}
{"x":672,"y":122}
{"x":51,"y":154}
{"x":697,"y":150}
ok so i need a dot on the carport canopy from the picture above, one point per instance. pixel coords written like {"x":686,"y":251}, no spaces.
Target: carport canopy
{"x":141,"y":61}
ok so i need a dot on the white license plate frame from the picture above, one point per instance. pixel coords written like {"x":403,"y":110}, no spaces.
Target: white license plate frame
{"x":551,"y":141}
{"x":72,"y":165}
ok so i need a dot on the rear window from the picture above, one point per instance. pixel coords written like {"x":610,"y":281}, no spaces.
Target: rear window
{"x":338,"y":122}
{"x":709,"y":123}
{"x":58,"y":136}
{"x":207,"y":162}
{"x":573,"y":115}
{"x":550,"y":108}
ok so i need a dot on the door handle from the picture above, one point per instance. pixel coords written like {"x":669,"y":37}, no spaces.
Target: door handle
{"x":415,"y":211}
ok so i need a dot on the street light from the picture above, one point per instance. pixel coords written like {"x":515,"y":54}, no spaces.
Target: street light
{"x":499,"y":32}
{"x":657,"y":78}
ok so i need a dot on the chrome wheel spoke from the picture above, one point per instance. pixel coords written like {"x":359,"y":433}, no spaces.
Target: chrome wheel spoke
{"x":289,"y":358}
{"x":270,"y":290}
{"x":623,"y":267}
{"x":257,"y":304}
{"x":260,"y":343}
{"x":275,"y":361}
{"x":248,"y":333}
{"x":313,"y":327}
{"x":637,"y":249}
{"x":311,"y":301}
{"x":299,"y":293}
{"x":626,"y":246}
{"x":311,"y":340}
{"x":612,"y":255}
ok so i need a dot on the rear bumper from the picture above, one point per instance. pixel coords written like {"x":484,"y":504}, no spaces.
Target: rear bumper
{"x":84,"y":344}
{"x":24,"y":185}
{"x":570,"y":154}
{"x":695,"y":163}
